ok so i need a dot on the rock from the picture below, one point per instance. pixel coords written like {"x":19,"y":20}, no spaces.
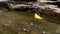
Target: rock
{"x":52,"y":11}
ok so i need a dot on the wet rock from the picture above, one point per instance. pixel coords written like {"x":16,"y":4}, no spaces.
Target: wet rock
{"x":52,"y":11}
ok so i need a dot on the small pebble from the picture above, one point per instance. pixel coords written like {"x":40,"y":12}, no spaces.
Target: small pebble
{"x":44,"y":32}
{"x":27,"y":30}
{"x":24,"y":29}
{"x":32,"y":24}
{"x":9,"y":21}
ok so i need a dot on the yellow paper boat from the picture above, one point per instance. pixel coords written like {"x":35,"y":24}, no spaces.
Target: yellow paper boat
{"x":37,"y":16}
